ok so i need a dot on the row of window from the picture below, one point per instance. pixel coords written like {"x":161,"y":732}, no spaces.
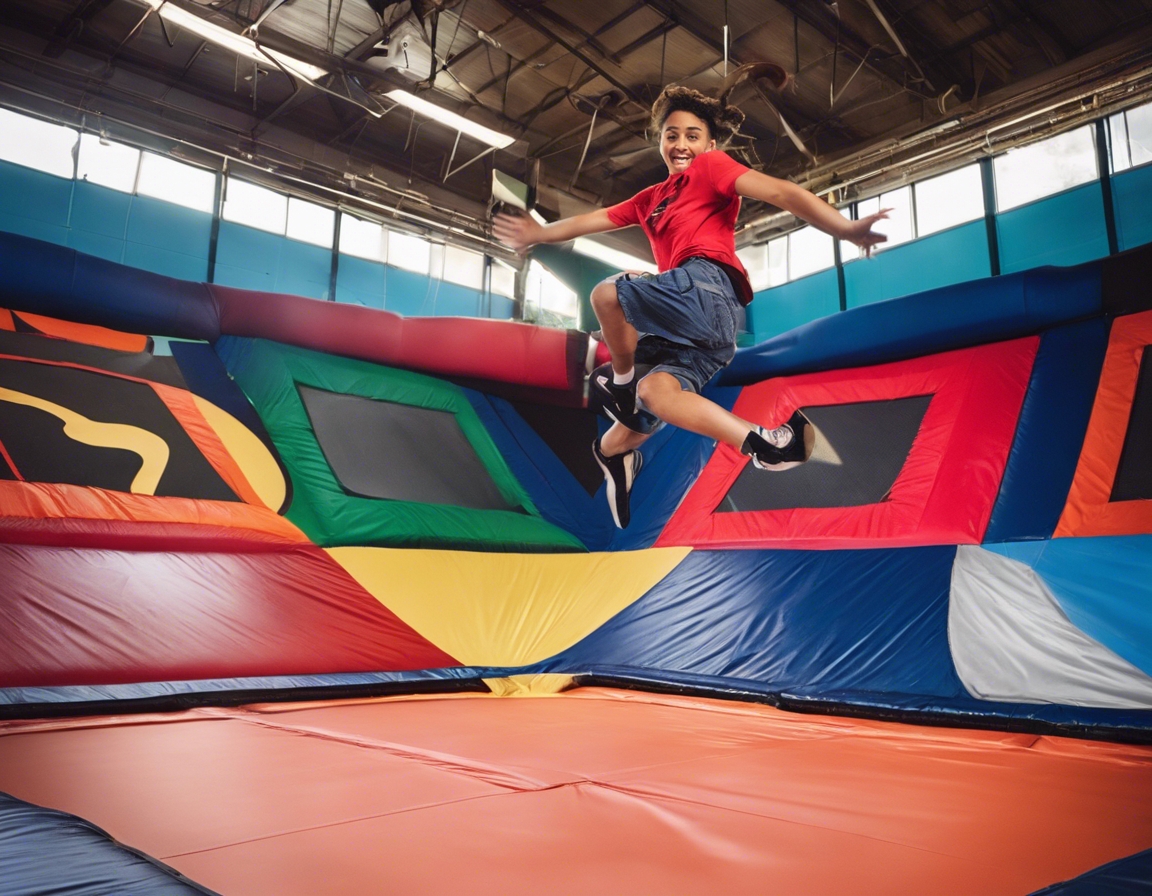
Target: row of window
{"x":1020,"y":176}
{"x":64,"y":152}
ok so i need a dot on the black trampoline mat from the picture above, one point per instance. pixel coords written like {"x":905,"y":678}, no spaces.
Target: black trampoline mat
{"x":569,"y":432}
{"x":42,"y":452}
{"x":399,"y":452}
{"x":1134,"y":472}
{"x":860,"y":450}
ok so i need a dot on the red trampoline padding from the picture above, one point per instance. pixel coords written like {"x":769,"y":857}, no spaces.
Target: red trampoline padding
{"x":946,"y":489}
{"x":588,"y":792}
{"x":181,"y":617}
{"x":498,"y":350}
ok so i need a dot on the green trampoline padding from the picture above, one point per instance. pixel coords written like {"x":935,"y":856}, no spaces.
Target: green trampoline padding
{"x":270,"y":374}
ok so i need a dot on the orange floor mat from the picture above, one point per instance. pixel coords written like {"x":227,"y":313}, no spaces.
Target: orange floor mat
{"x":593,"y":791}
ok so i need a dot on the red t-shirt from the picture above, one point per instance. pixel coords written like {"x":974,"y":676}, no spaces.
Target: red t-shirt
{"x":692,"y":213}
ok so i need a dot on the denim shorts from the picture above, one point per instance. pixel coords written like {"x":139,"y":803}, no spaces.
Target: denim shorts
{"x":687,"y":319}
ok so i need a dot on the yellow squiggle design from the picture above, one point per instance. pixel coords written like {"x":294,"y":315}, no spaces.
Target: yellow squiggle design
{"x":152,"y":449}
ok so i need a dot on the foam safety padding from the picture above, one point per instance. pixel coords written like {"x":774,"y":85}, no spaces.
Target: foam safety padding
{"x":86,"y":334}
{"x":500,"y":350}
{"x":1130,"y":876}
{"x":1011,"y":641}
{"x":44,"y":278}
{"x":83,"y":427}
{"x":46,"y":851}
{"x":1091,"y":508}
{"x":603,"y":791}
{"x":502,"y":609}
{"x":86,"y":617}
{"x":271,"y":374}
{"x":946,"y":488}
{"x":763,"y":616}
{"x":1051,"y":431}
{"x":1102,"y":585}
{"x":971,"y":313}
{"x":860,"y":450}
{"x":140,"y":365}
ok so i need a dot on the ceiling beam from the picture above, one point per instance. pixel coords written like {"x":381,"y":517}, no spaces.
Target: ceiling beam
{"x":529,"y":18}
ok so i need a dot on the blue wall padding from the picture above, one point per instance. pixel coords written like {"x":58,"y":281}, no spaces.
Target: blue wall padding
{"x":673,"y":458}
{"x":1103,"y":586}
{"x":47,"y":851}
{"x":947,"y":318}
{"x":1129,"y":876}
{"x":779,"y":309}
{"x":1050,"y":432}
{"x":807,"y":622}
{"x":206,"y":376}
{"x":44,"y":278}
{"x":1067,"y":228}
{"x":956,"y":255}
{"x":1130,"y":192}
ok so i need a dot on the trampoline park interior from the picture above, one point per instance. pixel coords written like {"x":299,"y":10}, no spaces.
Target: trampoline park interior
{"x":308,"y":582}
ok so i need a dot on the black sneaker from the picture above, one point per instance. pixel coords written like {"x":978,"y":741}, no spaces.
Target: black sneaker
{"x":781,"y":448}
{"x":619,"y":402}
{"x":620,"y":471}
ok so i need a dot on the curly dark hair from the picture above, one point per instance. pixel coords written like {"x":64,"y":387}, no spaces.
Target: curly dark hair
{"x":723,"y":120}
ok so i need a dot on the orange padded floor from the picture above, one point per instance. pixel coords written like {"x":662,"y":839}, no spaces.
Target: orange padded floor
{"x":594,"y":791}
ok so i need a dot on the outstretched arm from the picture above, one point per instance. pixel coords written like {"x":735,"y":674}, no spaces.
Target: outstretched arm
{"x":521,"y":232}
{"x":808,"y":207}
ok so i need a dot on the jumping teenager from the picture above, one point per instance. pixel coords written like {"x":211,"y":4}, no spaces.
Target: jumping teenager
{"x":684,"y":320}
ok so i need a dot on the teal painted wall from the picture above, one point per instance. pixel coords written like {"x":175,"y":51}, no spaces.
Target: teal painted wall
{"x":777,"y":310}
{"x":1064,"y":229}
{"x":1130,"y":196}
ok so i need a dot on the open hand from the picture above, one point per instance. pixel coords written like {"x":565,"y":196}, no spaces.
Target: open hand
{"x":861,"y":233}
{"x":518,"y":232}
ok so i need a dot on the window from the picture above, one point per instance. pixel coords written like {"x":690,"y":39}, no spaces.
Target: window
{"x":1032,"y":172}
{"x":556,"y":303}
{"x":503,"y":280}
{"x":809,"y":250}
{"x":897,"y":226}
{"x":1140,"y":134}
{"x":755,"y":261}
{"x":463,"y":267}
{"x":364,"y":239}
{"x":37,"y":144}
{"x":410,"y":253}
{"x":778,"y":261}
{"x":111,"y":165}
{"x":950,"y":199}
{"x":172,"y":181}
{"x":311,"y":223}
{"x":254,"y":206}
{"x":1131,"y":137}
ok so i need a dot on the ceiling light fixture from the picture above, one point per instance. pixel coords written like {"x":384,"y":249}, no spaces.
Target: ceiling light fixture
{"x":451,"y":119}
{"x":230,"y":40}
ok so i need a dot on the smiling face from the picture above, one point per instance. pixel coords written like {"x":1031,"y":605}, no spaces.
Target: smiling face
{"x":683,"y":137}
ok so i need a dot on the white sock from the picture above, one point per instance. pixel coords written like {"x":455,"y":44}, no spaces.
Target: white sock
{"x":623,"y":379}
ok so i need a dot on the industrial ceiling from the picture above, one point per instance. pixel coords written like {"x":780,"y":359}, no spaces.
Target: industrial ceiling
{"x":880,"y":90}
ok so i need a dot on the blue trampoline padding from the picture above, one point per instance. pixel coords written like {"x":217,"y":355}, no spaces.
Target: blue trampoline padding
{"x":810,"y":622}
{"x":556,"y":493}
{"x":1103,"y":585}
{"x":964,"y":314}
{"x":47,"y":851}
{"x":44,"y":278}
{"x":153,"y":690}
{"x":1129,"y":876}
{"x":206,"y":376}
{"x":673,"y":459}
{"x":1050,"y":431}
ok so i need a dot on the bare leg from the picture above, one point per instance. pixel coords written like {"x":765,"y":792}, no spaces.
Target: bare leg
{"x":620,"y":440}
{"x":620,"y":335}
{"x":667,"y":399}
